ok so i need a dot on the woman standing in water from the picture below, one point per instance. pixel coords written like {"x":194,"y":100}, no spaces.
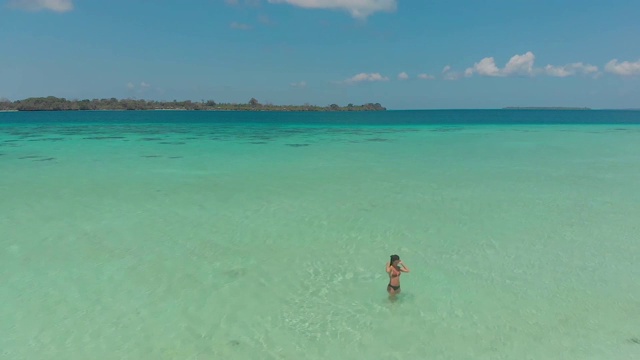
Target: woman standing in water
{"x":395,"y":267}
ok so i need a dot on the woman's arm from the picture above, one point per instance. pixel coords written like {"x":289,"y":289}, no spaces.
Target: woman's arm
{"x":404,"y":267}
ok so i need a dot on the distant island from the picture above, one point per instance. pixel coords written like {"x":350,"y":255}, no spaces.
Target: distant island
{"x":52,"y":103}
{"x":544,"y":108}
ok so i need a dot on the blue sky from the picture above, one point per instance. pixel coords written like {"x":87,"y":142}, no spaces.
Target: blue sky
{"x":454,"y":53}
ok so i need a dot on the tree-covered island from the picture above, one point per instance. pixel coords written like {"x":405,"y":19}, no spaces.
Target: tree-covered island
{"x":52,"y":103}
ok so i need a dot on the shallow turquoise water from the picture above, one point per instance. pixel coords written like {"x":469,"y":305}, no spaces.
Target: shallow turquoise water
{"x":167,"y":236}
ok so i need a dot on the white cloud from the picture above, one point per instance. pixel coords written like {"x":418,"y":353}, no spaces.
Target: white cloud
{"x":447,"y":74}
{"x":403,"y":76}
{"x":357,"y":8}
{"x":523,"y":65}
{"x":366,"y":77}
{"x":239,"y":26}
{"x":38,"y":5}
{"x":142,"y":88}
{"x":517,"y":65}
{"x":452,"y":75}
{"x":624,"y":68}
{"x":557,"y":71}
{"x":425,"y":77}
{"x":486,"y":67}
{"x":301,"y":84}
{"x":520,"y":64}
{"x":570,"y":70}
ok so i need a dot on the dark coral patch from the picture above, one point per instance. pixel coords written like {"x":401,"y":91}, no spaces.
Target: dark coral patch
{"x":48,"y":139}
{"x":297,"y":145}
{"x":104,"y":137}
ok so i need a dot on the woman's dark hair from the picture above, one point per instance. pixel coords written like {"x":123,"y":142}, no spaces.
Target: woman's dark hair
{"x":394,"y":258}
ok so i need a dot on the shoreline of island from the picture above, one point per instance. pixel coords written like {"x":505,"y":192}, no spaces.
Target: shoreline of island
{"x":52,"y":103}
